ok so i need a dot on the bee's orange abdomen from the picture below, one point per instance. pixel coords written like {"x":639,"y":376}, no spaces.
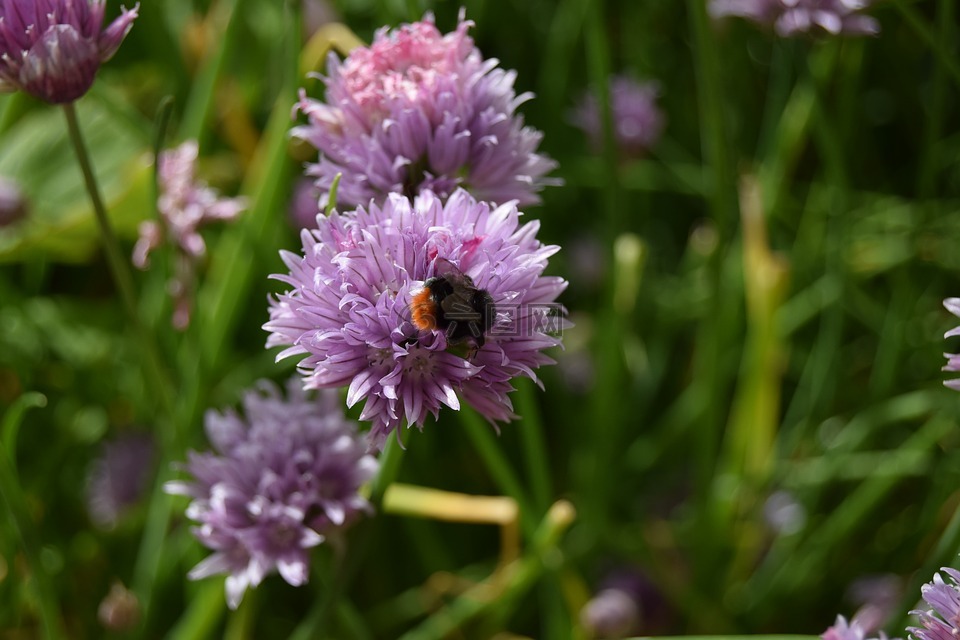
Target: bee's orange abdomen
{"x":424,"y":311}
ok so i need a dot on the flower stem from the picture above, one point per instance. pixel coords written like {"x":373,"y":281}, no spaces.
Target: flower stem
{"x":118,"y":265}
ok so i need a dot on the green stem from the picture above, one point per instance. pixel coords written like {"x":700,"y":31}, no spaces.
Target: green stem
{"x":534,"y":445}
{"x":598,"y":61}
{"x":16,"y":503}
{"x":347,"y":566}
{"x":119,"y":268}
{"x":499,"y":467}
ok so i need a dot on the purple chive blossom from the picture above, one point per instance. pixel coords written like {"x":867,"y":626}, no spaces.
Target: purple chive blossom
{"x":419,"y":110}
{"x":184,"y":204}
{"x":953,"y":359}
{"x":279,"y":482}
{"x":942,"y":620}
{"x":348,"y":308}
{"x":52,"y":48}
{"x":637,"y":121}
{"x":794,"y":17}
{"x":118,"y":477}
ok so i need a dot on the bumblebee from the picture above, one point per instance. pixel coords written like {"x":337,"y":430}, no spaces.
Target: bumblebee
{"x":451,"y":303}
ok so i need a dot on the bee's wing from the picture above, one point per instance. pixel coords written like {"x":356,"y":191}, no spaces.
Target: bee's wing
{"x":445,"y":268}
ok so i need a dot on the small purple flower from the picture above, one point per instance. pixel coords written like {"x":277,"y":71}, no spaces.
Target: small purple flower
{"x":52,"y":48}
{"x":118,"y":477}
{"x":611,"y":613}
{"x":637,"y":120}
{"x":942,"y":621}
{"x":280,"y":481}
{"x":953,"y":359}
{"x":348,"y":309}
{"x":419,"y":110}
{"x":184,"y":204}
{"x":841,"y":630}
{"x":794,"y":17}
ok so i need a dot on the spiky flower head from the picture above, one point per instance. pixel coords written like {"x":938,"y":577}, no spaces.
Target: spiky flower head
{"x":279,"y":481}
{"x":942,"y":620}
{"x":419,"y":110}
{"x":348,"y":309}
{"x":795,"y":17}
{"x":185,"y":204}
{"x":52,"y":48}
{"x":953,"y":359}
{"x":637,"y":120}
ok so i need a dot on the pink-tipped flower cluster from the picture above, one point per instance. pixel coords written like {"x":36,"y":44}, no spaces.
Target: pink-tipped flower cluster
{"x":420,"y":110}
{"x":842,"y":630}
{"x":52,"y":49}
{"x":281,"y":480}
{"x":348,"y":309}
{"x":795,"y":17}
{"x":185,"y":204}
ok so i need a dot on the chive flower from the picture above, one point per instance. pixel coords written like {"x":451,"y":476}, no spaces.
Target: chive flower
{"x":281,"y":480}
{"x":349,"y":310}
{"x":417,"y":110}
{"x":52,"y":49}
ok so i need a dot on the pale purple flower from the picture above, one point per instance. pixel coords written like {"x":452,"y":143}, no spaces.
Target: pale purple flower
{"x":118,"y":478}
{"x":842,"y":630}
{"x":184,"y":204}
{"x":52,"y":48}
{"x":878,"y":596}
{"x":419,"y":110}
{"x":783,"y":513}
{"x":611,"y":613}
{"x":953,"y":359}
{"x":794,"y":17}
{"x":281,"y":480}
{"x":942,"y":620}
{"x":348,"y":308}
{"x":637,"y":120}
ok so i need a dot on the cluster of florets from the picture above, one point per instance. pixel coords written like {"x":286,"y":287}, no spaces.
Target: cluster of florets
{"x":185,"y":204}
{"x":348,"y":307}
{"x":419,"y":110}
{"x":796,"y":17}
{"x":942,"y":620}
{"x":278,"y":482}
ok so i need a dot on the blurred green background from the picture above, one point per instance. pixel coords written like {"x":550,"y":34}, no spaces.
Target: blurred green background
{"x":757,"y":306}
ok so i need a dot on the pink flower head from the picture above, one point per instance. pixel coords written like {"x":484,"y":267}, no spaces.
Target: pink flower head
{"x":281,"y":480}
{"x":419,"y":110}
{"x":841,"y":630}
{"x":348,"y":309}
{"x":184,"y":204}
{"x":794,"y":17}
{"x":52,"y":48}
